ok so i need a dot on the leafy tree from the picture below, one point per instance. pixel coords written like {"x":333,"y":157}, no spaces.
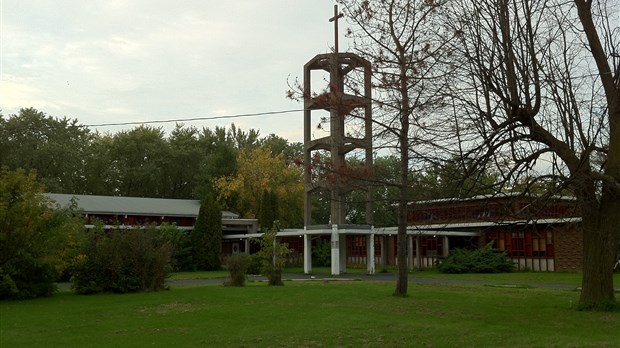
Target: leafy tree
{"x":258,"y":171}
{"x":293,"y":152}
{"x":453,"y":178}
{"x":37,"y":240}
{"x":219,"y":160}
{"x":182,"y":164}
{"x":138,"y":158}
{"x":537,"y":93}
{"x":100,"y":175}
{"x":54,"y":147}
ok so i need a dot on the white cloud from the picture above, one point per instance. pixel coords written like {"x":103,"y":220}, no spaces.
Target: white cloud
{"x":110,"y":61}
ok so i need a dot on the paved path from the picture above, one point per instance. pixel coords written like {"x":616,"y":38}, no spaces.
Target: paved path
{"x":387,"y":277}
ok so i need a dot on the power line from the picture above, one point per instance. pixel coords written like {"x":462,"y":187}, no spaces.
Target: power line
{"x":204,"y":118}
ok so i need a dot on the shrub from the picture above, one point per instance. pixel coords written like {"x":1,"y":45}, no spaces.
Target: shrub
{"x":322,"y":253}
{"x":273,"y":255}
{"x":482,"y":260}
{"x":237,"y":265}
{"x":255,"y":264}
{"x":179,"y":240}
{"x":122,"y":261}
{"x":37,"y":239}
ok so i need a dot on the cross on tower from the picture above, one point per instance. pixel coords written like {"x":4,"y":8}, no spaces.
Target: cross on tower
{"x":335,"y":20}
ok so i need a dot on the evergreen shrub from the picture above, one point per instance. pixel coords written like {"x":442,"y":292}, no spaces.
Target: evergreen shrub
{"x":322,"y":253}
{"x":482,"y":260}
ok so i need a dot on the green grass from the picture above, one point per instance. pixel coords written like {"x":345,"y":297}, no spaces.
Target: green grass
{"x":310,"y":314}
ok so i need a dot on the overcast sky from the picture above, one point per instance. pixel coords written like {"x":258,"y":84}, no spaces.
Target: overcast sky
{"x":142,"y":60}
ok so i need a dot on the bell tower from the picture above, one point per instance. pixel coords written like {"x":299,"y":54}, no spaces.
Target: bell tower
{"x":342,"y":105}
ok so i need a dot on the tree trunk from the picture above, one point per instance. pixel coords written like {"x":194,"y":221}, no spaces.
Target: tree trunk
{"x":402,"y":282}
{"x":601,"y":226}
{"x":403,"y":279}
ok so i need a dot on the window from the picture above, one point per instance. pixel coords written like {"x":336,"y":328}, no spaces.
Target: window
{"x":518,"y":244}
{"x":539,"y":244}
{"x":431,"y":246}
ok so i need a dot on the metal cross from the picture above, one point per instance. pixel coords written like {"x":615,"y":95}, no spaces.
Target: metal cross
{"x":335,"y":20}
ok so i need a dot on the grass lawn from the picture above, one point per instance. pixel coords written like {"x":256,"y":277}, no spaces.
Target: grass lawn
{"x":310,"y":314}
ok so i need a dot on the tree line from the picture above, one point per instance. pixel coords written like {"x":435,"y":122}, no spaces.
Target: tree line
{"x":232,"y":166}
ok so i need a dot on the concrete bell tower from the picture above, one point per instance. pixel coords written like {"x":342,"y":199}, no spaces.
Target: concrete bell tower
{"x":340,"y":106}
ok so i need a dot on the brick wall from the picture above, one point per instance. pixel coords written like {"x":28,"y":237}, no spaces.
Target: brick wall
{"x":568,"y":241}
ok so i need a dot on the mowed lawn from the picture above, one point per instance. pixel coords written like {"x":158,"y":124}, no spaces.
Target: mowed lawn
{"x":311,"y":314}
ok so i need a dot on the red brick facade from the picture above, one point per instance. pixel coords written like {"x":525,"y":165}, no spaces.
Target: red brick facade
{"x":568,"y":248}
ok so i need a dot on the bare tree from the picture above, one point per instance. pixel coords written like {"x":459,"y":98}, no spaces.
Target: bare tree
{"x":400,"y":40}
{"x":538,"y":96}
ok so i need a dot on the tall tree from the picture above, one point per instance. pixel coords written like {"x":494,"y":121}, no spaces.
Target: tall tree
{"x":198,"y":239}
{"x":399,"y":38}
{"x":538,"y":95}
{"x":54,"y":147}
{"x":183,"y":162}
{"x":212,"y":235}
{"x":138,"y":158}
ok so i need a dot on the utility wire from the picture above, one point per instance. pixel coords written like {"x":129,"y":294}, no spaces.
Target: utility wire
{"x":205,"y":118}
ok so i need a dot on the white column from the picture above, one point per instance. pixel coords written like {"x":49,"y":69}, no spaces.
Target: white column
{"x":370,"y":251}
{"x":410,"y":253}
{"x":307,"y":253}
{"x":446,"y":246}
{"x":247,"y":246}
{"x":335,"y":242}
{"x":418,"y":252}
{"x":384,"y":253}
{"x":343,"y":253}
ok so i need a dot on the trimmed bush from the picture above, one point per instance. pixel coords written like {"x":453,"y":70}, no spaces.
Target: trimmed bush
{"x":482,"y":260}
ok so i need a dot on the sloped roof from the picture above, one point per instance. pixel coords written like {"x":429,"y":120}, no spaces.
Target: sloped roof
{"x":112,"y":205}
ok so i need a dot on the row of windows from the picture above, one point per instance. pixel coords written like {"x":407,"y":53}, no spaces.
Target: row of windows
{"x":452,"y":213}
{"x":522,"y":243}
{"x":429,"y":246}
{"x":138,"y":220}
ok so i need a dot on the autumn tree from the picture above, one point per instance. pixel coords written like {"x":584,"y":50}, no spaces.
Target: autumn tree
{"x":400,"y":39}
{"x":257,"y":171}
{"x":536,"y":93}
